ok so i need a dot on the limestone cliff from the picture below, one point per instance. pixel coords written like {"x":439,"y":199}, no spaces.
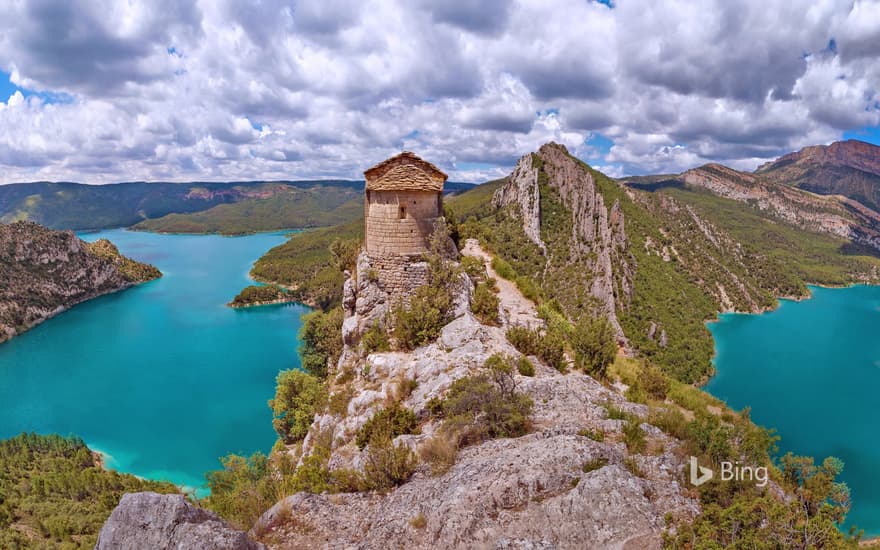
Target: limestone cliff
{"x":596,"y":239}
{"x":44,"y":272}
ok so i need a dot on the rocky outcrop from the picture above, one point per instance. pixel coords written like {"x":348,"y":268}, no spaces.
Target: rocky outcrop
{"x":530,"y":492}
{"x":560,"y":486}
{"x":166,"y":522}
{"x":838,"y":216}
{"x":850,"y":168}
{"x":522,"y":189}
{"x":45,"y":272}
{"x":598,"y":236}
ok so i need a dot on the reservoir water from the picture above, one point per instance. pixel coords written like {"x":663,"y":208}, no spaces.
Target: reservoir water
{"x":811,"y":369}
{"x":163,"y":378}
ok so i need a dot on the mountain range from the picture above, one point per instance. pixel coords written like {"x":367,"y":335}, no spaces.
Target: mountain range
{"x":197,"y":207}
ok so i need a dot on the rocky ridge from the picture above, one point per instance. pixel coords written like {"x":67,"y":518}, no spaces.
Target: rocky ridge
{"x":44,"y":272}
{"x":597,"y":240}
{"x":501,"y":493}
{"x":834,"y":215}
{"x":850,"y":168}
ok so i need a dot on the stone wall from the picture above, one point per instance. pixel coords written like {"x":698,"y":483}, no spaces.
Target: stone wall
{"x":400,"y":222}
{"x":398,"y":275}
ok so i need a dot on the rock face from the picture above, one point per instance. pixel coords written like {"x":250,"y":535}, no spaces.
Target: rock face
{"x":834,"y":215}
{"x":556,"y":487}
{"x":598,"y":236}
{"x":44,"y":272}
{"x":850,"y":168}
{"x":160,"y":522}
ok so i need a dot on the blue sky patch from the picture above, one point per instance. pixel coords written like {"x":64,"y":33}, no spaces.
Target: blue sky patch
{"x":7,"y":88}
{"x":871,"y":134}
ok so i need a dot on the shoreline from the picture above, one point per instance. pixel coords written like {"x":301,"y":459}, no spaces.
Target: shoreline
{"x":285,"y":231}
{"x":873,"y":540}
{"x":279,"y":301}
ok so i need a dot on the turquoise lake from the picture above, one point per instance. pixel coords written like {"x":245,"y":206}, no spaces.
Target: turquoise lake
{"x":811,"y":369}
{"x":163,"y":378}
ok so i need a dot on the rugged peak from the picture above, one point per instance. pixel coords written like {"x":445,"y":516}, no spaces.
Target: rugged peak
{"x":851,"y":153}
{"x":553,"y":179}
{"x":850,"y":168}
{"x":553,"y":146}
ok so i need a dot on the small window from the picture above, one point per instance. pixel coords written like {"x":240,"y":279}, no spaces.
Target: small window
{"x":401,"y":212}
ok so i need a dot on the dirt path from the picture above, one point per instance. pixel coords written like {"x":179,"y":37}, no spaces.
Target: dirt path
{"x":515,"y":308}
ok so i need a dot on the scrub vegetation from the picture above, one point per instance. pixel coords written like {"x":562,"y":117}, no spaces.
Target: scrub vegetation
{"x":55,"y":493}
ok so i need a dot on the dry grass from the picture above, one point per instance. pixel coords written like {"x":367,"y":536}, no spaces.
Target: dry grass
{"x":440,"y":451}
{"x":419,"y":521}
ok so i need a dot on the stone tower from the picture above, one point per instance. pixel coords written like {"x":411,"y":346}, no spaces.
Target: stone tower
{"x":404,"y":199}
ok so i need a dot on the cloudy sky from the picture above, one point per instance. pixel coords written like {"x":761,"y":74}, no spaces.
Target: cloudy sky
{"x":104,"y":91}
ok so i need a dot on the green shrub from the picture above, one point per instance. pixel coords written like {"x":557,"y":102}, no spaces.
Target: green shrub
{"x":524,"y":366}
{"x":486,"y":405}
{"x":375,"y":338}
{"x":297,"y":398}
{"x":337,"y":403}
{"x":529,"y":289}
{"x":321,"y":337}
{"x":633,"y":436}
{"x":595,"y":435}
{"x":430,"y":307}
{"x":485,"y":304}
{"x":420,"y":321}
{"x":242,"y":490}
{"x":392,"y":421}
{"x":503,"y":269}
{"x":595,"y":464}
{"x":616,"y":413}
{"x":654,"y":382}
{"x":475,"y":268}
{"x":345,"y":253}
{"x":810,"y":520}
{"x":636,"y":393}
{"x":387,"y":465}
{"x":549,"y":347}
{"x":595,"y":345}
{"x":671,"y":421}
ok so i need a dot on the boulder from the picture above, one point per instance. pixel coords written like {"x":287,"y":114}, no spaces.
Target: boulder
{"x":159,"y":522}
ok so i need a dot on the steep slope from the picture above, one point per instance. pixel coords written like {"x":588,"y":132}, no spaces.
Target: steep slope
{"x":838,"y":216}
{"x":664,"y":255}
{"x":44,"y":272}
{"x":850,"y":168}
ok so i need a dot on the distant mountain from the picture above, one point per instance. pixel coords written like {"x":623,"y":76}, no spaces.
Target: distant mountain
{"x":836,"y":215}
{"x":44,"y":272}
{"x":850,"y":168}
{"x":77,"y":206}
{"x":289,"y":208}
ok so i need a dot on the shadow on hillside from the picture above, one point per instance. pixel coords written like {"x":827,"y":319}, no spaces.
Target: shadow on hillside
{"x":856,"y":249}
{"x":656,"y":185}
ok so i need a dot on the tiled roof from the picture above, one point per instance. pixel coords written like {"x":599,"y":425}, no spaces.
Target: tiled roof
{"x":405,"y":172}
